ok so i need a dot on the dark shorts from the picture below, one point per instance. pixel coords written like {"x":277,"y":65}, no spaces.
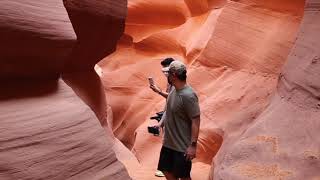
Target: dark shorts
{"x":174,"y":162}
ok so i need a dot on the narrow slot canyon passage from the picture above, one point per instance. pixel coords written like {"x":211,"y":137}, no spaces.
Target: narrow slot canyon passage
{"x":75,"y":101}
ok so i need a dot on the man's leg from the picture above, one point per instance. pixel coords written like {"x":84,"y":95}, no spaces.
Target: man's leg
{"x":166,"y":162}
{"x":182,"y":166}
{"x":169,"y":176}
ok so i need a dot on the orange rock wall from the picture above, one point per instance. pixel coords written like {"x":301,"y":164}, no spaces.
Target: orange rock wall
{"x":282,"y":142}
{"x":234,"y":51}
{"x":263,"y":123}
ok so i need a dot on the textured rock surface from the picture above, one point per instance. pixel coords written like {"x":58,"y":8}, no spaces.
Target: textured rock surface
{"x":234,"y":50}
{"x":283,"y":143}
{"x":47,"y":132}
{"x":266,"y":127}
{"x":36,"y":38}
{"x":53,"y":128}
{"x":98,"y":25}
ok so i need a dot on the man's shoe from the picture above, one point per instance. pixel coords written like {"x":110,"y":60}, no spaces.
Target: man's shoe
{"x":159,"y":174}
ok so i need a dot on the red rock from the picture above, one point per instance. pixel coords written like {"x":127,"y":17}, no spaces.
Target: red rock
{"x":48,"y":130}
{"x":282,"y":142}
{"x":98,"y":25}
{"x":256,"y":122}
{"x":234,"y":55}
{"x":36,"y":38}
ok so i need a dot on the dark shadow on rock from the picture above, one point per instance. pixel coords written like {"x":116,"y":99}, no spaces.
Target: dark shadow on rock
{"x":25,"y":89}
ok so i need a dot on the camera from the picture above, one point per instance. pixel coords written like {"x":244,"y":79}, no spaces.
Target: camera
{"x":154,"y":130}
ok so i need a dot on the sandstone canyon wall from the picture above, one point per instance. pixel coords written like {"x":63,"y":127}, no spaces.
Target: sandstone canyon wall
{"x":234,"y":51}
{"x":60,"y":120}
{"x":283,"y":143}
{"x":51,"y":128}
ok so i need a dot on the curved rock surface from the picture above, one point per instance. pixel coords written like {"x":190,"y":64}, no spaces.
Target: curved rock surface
{"x":257,"y":123}
{"x":283,"y":143}
{"x":52,"y":128}
{"x":47,"y":132}
{"x":36,"y":38}
{"x":234,"y":50}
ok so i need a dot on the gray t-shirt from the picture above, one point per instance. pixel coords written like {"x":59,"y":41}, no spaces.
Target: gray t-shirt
{"x":182,"y":105}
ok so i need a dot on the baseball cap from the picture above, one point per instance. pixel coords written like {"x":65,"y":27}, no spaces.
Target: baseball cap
{"x":177,"y":66}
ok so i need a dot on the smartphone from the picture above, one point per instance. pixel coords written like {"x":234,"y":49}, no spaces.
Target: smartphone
{"x":151,"y":82}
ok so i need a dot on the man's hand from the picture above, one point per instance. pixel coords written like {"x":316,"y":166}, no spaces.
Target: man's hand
{"x":191,"y":153}
{"x":155,"y":88}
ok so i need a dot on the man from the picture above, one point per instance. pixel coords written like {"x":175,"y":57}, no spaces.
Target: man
{"x":165,"y":70}
{"x":181,"y":126}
